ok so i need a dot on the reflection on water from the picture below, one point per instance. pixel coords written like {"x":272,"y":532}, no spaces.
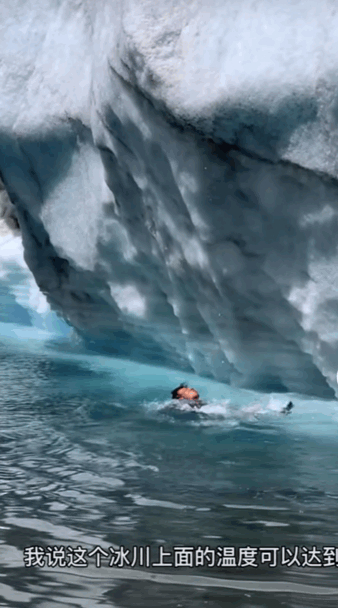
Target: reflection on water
{"x":87,"y":460}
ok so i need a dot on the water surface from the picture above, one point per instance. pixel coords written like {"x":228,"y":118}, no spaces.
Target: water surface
{"x":93,"y":455}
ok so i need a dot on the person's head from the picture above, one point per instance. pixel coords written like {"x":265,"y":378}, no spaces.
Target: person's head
{"x":184,"y":392}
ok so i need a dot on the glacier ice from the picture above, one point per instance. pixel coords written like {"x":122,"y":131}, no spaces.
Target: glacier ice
{"x":25,"y":312}
{"x":173,"y":169}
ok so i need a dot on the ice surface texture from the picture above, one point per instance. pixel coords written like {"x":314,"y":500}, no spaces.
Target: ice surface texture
{"x":173,"y":167}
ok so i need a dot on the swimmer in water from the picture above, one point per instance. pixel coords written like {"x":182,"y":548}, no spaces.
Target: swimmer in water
{"x":190,"y":394}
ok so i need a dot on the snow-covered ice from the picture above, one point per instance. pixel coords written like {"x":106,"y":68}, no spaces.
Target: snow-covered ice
{"x":173,"y":168}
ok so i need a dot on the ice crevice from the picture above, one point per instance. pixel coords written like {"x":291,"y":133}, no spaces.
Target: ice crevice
{"x":173,"y":171}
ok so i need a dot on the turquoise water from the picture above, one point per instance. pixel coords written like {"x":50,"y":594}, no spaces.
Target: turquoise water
{"x":92,"y":454}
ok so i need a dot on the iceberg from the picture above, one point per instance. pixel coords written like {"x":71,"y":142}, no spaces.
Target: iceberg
{"x":173,"y":170}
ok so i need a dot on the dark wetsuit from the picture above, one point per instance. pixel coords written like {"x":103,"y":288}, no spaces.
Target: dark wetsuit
{"x":287,"y":409}
{"x":196,"y":403}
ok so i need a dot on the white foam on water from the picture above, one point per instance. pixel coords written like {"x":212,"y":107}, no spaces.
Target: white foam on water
{"x":263,"y":414}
